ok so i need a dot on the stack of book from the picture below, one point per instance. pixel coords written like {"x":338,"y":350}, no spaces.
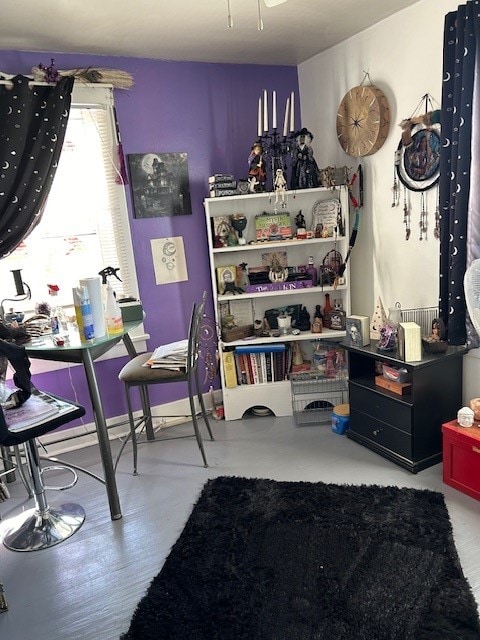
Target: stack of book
{"x":222,"y":184}
{"x":36,"y":410}
{"x":171,"y":356}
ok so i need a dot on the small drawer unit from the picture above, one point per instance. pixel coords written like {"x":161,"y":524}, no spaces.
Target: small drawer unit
{"x":461,"y":457}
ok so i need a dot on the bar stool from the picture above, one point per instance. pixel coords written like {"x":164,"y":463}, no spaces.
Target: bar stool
{"x":135,"y":374}
{"x":41,"y":526}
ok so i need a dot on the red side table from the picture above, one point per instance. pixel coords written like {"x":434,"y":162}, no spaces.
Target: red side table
{"x":461,"y":457}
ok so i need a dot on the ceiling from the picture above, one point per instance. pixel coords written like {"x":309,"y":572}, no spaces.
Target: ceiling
{"x":189,"y":29}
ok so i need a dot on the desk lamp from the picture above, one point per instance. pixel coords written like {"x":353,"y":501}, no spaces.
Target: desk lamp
{"x":22,"y":289}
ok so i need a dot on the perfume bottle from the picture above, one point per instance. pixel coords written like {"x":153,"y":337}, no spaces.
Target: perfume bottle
{"x":311,"y":270}
{"x":327,"y":309}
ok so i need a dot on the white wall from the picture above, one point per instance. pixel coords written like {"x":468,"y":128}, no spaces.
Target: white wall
{"x":403,"y":56}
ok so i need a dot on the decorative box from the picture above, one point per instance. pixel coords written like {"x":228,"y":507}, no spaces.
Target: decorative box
{"x":357,"y":331}
{"x":131,"y":311}
{"x":461,"y":458}
{"x":273,"y":226}
{"x":409,"y":341}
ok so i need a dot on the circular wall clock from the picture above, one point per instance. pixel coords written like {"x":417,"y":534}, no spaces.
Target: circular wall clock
{"x":363,"y":120}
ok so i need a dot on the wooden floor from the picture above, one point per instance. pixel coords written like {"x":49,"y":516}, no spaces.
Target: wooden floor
{"x":86,"y":588}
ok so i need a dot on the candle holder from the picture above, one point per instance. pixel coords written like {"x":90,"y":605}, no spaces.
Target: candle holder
{"x":276,"y":148}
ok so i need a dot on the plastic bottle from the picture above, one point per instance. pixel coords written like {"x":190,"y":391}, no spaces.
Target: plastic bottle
{"x":312,"y":271}
{"x":83,"y":313}
{"x":58,"y":318}
{"x":113,"y":314}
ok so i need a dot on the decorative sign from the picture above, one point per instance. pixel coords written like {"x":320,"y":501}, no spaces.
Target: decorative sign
{"x":273,"y":226}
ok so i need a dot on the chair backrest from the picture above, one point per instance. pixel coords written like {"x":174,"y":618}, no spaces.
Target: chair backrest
{"x":194,"y":333}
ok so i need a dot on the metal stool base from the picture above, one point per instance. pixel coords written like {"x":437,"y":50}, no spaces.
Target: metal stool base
{"x":33,"y":530}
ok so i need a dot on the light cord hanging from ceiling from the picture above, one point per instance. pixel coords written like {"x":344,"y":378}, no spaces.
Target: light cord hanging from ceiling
{"x":260,"y":21}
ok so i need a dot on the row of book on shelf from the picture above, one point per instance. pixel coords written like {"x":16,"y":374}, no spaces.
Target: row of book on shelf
{"x":256,"y":364}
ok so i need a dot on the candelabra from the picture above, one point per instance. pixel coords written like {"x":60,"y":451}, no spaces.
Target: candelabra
{"x":276,"y":149}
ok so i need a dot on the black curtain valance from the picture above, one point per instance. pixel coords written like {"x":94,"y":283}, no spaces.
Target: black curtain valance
{"x":33,"y":120}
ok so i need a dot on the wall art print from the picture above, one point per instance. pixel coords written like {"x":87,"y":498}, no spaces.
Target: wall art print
{"x":160,"y":184}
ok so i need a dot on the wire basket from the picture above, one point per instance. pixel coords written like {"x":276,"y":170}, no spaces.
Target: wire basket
{"x":314,"y":397}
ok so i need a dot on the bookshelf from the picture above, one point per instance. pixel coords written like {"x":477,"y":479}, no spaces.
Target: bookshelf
{"x":254,"y":303}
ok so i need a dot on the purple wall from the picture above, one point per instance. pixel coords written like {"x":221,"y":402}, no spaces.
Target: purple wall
{"x":208,"y":111}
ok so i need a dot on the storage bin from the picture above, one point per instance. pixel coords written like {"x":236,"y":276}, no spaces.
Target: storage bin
{"x":314,"y":397}
{"x":340,"y":418}
{"x":461,"y":458}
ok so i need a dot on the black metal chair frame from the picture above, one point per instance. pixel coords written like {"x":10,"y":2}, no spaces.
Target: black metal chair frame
{"x":42,"y":526}
{"x":190,"y":376}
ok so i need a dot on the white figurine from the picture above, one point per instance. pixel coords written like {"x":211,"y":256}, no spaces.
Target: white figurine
{"x":280,"y":184}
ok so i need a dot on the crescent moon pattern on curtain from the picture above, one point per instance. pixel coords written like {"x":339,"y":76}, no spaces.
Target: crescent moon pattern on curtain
{"x":462,"y":29}
{"x":33,"y":122}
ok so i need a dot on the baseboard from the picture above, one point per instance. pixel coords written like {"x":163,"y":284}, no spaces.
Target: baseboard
{"x":59,"y":442}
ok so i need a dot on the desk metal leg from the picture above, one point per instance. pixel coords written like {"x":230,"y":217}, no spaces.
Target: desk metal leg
{"x":102,"y":433}
{"x":127,"y":341}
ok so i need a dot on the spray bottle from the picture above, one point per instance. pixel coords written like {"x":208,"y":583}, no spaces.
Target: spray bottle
{"x":113,"y":313}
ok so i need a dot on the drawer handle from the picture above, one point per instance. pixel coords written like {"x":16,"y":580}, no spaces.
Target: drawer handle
{"x":379,"y":431}
{"x":475,"y":449}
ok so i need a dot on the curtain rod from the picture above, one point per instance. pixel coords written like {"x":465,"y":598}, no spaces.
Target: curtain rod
{"x":33,"y":83}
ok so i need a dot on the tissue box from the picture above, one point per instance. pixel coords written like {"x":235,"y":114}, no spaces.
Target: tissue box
{"x":131,"y":311}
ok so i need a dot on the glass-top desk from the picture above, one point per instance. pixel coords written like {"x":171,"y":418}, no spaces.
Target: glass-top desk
{"x":44,"y":348}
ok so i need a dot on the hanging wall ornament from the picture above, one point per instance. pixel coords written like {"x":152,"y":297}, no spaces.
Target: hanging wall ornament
{"x":417,"y":162}
{"x":417,"y":159}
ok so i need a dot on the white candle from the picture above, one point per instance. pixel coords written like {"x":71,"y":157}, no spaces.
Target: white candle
{"x":265,"y":111}
{"x":292,"y":112}
{"x":285,"y":121}
{"x":259,"y":123}
{"x":274,"y":110}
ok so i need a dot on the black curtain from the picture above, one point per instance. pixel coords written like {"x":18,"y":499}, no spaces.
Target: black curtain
{"x":459,"y":221}
{"x":33,"y":122}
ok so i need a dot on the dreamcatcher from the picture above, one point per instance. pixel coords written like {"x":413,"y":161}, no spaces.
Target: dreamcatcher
{"x":417,"y":165}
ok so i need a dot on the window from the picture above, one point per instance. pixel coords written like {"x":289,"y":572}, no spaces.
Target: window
{"x":85,"y":226}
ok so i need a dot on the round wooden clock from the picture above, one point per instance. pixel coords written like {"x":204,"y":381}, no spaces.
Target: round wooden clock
{"x":363,"y":120}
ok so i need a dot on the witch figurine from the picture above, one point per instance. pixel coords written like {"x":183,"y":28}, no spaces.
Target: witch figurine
{"x":305,"y":173}
{"x":257,"y":174}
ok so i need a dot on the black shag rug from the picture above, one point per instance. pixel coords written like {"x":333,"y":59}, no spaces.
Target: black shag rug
{"x":267,"y":560}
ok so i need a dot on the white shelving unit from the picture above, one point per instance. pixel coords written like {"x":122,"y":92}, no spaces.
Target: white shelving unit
{"x":274,"y":395}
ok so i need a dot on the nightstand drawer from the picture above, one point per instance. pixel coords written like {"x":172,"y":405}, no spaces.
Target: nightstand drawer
{"x":381,"y":433}
{"x":388,"y":410}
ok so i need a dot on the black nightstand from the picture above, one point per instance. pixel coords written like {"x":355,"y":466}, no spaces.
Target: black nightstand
{"x":406,"y":429}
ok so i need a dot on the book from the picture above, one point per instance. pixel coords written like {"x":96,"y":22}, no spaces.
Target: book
{"x":260,"y":348}
{"x":226,"y":278}
{"x":228,"y":184}
{"x":254,"y":368}
{"x":220,"y":177}
{"x":409,"y":341}
{"x":35,"y":411}
{"x":268,"y":365}
{"x":218,"y":193}
{"x":229,"y":369}
{"x":357,"y":331}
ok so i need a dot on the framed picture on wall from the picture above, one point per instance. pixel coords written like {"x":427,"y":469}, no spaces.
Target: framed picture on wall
{"x":160,"y":184}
